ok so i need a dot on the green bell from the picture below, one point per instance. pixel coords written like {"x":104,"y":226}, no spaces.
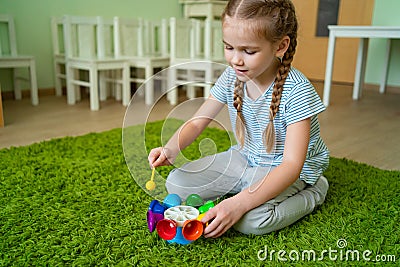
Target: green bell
{"x":208,"y":205}
{"x":194,"y":200}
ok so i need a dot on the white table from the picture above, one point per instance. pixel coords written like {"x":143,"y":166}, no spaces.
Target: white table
{"x":209,"y":9}
{"x":364,"y":33}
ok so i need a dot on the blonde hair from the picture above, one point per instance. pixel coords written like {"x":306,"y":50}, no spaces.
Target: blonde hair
{"x":273,"y":20}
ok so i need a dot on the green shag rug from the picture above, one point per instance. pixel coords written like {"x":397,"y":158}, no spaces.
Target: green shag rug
{"x":73,"y":201}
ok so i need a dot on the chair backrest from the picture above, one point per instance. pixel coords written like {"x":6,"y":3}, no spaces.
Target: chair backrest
{"x":194,"y":39}
{"x":8,"y":40}
{"x":57,"y":35}
{"x":186,"y":39}
{"x":80,"y":36}
{"x":128,"y":37}
{"x":88,"y":37}
{"x":155,"y":38}
{"x":214,"y":48}
{"x":106,"y":39}
{"x":136,"y":37}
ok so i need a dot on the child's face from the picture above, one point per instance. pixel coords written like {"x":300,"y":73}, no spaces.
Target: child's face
{"x":252,"y":57}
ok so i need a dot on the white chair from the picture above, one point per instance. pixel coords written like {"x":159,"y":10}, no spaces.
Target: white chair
{"x":9,"y":58}
{"x":88,"y":47}
{"x":57,"y":35}
{"x":196,"y":56}
{"x":144,"y":44}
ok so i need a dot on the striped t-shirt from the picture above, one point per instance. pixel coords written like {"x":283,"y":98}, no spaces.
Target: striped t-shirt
{"x":299,"y":101}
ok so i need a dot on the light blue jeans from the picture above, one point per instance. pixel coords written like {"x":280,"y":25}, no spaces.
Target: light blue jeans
{"x":228,"y":173}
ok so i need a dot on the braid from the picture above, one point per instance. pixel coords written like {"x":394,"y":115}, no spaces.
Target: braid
{"x":238,"y":103}
{"x":286,"y":11}
{"x":283,"y":71}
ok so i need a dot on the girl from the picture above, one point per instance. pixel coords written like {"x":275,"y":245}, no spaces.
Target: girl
{"x":275,"y":170}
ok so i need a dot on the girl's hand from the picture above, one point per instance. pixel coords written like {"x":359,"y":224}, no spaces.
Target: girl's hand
{"x":161,"y":156}
{"x":223,"y":216}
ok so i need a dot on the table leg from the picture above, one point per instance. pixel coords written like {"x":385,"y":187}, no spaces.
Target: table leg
{"x":34,"y":87}
{"x":360,"y":68}
{"x":1,"y":112}
{"x":329,"y":68}
{"x":382,"y":88}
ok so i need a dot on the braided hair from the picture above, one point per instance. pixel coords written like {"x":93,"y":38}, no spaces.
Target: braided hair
{"x":273,"y":20}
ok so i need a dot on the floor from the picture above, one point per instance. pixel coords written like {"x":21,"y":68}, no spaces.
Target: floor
{"x":365,"y":131}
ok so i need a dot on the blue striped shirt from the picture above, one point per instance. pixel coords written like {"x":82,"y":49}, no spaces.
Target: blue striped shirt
{"x":299,"y":101}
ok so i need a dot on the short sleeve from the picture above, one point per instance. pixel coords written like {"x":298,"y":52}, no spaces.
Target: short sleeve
{"x":222,"y":87}
{"x":303,"y":102}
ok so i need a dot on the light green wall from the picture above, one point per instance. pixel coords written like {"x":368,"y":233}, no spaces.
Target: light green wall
{"x":32,"y":19}
{"x":386,"y":13}
{"x":32,"y":22}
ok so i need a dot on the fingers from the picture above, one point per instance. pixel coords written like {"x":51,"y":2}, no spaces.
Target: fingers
{"x":152,"y":158}
{"x":161,"y":156}
{"x":210,"y":214}
{"x":156,"y":157}
{"x":217,"y":226}
{"x":216,"y":229}
{"x":157,"y":162}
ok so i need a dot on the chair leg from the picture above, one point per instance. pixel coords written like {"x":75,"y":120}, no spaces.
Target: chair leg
{"x":103,"y":85}
{"x":190,"y":89}
{"x":71,"y":92}
{"x":208,"y":80}
{"x":126,"y":88}
{"x":58,"y":83}
{"x":77,"y":88}
{"x":117,"y":86}
{"x":164,"y":81}
{"x":34,"y":88}
{"x":172,"y":93}
{"x":94,"y":89}
{"x":149,"y":86}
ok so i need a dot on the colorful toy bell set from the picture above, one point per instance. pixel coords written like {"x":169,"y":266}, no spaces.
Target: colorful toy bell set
{"x":177,"y":223}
